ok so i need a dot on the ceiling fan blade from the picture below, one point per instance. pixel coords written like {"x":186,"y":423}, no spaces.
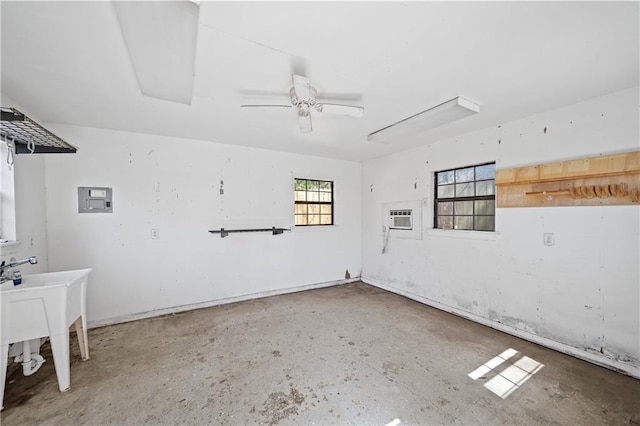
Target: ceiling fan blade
{"x":305,"y":123}
{"x":265,"y":106}
{"x":301,"y":86}
{"x":350,"y":110}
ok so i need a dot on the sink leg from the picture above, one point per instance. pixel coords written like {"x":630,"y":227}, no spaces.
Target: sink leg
{"x":3,"y":372}
{"x":81,"y":332}
{"x":60,"y":349}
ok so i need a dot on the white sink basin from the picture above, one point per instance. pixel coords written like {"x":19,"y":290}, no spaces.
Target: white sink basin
{"x":45,"y":305}
{"x":48,"y":279}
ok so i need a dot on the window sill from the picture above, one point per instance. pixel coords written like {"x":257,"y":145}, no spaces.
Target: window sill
{"x":311,"y":228}
{"x":8,"y":243}
{"x":469,"y":235}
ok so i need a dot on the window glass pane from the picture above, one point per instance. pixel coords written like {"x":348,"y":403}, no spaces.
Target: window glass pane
{"x":485,"y":207}
{"x":325,"y":197}
{"x":301,"y":184}
{"x":314,"y":208}
{"x":463,"y":222}
{"x":313,"y":185}
{"x":463,"y":207}
{"x":301,"y":196}
{"x":464,"y":175}
{"x":325,"y":209}
{"x":444,"y":177}
{"x":325,"y":186}
{"x":464,"y":189}
{"x":313,"y":219}
{"x":301,"y":219}
{"x":445,"y":222}
{"x":445,"y":191}
{"x":445,"y":208}
{"x":325,"y":219}
{"x":313,"y":196}
{"x":301,"y":208}
{"x":485,"y":172}
{"x":485,"y":223}
{"x":485,"y":187}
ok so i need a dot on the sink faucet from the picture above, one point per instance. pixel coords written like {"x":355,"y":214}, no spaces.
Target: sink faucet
{"x":6,"y":276}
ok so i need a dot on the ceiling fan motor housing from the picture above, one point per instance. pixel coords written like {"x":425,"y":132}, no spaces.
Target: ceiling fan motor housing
{"x":304,"y":106}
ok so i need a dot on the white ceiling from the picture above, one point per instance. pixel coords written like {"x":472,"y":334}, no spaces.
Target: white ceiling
{"x":67,"y":62}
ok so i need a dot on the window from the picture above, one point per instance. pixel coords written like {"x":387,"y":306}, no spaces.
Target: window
{"x":7,"y":198}
{"x":465,"y":198}
{"x":313,"y":202}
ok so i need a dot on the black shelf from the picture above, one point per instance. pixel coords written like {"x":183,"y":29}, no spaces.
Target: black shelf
{"x":225,"y":232}
{"x":28,"y":136}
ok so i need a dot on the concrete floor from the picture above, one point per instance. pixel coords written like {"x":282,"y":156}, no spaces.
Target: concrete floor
{"x":351,"y":354}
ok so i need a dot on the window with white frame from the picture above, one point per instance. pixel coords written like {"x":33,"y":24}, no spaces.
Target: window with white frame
{"x":7,"y":196}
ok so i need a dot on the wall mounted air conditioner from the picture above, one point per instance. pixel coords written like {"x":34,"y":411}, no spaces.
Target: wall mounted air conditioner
{"x":401,"y":219}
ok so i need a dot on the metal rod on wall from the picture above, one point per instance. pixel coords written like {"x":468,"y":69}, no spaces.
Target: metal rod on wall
{"x":225,"y":232}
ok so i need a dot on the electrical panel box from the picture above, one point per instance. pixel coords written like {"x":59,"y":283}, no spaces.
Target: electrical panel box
{"x":401,"y":219}
{"x":95,"y":200}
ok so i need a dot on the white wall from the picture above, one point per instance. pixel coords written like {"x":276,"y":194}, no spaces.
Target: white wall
{"x":26,"y":200}
{"x":173,"y":185}
{"x":580,"y":296}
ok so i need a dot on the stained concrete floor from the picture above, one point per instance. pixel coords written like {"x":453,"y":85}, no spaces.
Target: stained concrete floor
{"x":350,"y":354}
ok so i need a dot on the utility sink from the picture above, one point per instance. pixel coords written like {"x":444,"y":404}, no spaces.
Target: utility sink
{"x":45,"y":305}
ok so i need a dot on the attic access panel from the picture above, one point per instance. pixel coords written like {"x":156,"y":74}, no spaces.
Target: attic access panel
{"x":28,"y":136}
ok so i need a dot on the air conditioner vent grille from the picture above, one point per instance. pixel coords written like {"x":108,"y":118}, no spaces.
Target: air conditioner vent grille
{"x":400,"y":219}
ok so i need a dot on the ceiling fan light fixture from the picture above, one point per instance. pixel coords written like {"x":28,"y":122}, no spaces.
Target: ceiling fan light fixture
{"x":446,"y":112}
{"x":303,"y":98}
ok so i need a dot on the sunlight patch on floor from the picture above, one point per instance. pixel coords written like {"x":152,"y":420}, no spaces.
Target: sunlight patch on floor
{"x":509,"y":379}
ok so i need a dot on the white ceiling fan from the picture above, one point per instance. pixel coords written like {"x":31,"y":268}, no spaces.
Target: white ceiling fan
{"x":303,"y":98}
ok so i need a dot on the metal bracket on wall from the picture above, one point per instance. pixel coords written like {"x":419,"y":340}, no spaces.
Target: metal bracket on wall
{"x":28,"y":136}
{"x":225,"y":232}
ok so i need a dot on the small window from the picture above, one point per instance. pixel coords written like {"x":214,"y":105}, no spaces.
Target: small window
{"x":7,"y":197}
{"x":465,"y":198}
{"x":313,"y":202}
